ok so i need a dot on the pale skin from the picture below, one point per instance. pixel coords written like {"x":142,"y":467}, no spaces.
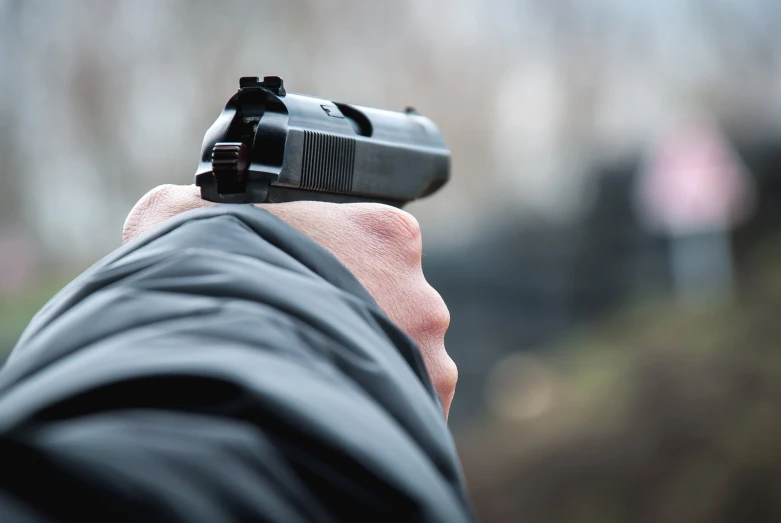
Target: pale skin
{"x":379,"y":244}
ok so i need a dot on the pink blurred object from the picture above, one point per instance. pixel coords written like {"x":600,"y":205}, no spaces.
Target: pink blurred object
{"x":694,"y":182}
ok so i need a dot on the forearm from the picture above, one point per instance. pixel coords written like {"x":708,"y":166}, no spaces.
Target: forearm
{"x":225,"y":345}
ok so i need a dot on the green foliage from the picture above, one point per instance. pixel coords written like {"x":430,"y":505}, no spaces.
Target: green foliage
{"x":16,"y":310}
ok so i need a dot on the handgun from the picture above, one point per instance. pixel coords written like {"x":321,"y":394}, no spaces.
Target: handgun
{"x":272,"y":146}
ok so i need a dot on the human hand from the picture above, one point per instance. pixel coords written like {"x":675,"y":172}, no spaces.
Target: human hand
{"x":379,"y":244}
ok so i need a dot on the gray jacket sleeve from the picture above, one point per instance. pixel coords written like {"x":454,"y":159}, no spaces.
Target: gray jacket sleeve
{"x":222,"y":368}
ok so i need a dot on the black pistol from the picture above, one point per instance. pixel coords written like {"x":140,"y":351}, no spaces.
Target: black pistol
{"x":272,"y":146}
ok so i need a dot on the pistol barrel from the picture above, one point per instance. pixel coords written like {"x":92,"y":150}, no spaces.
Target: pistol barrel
{"x":272,"y":146}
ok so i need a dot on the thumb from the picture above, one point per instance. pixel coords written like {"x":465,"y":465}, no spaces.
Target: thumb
{"x":158,"y":205}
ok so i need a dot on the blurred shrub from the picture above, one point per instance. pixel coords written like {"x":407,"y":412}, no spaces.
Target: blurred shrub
{"x":17,"y":309}
{"x":663,"y":414}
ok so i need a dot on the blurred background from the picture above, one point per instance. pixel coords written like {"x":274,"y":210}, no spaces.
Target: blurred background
{"x":609,"y":245}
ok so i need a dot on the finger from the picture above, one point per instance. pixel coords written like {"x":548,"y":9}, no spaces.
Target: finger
{"x":158,"y":205}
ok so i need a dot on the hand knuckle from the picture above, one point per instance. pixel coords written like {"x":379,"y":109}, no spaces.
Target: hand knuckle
{"x":449,"y":375}
{"x":435,"y":316}
{"x":440,"y":321}
{"x":389,"y":222}
{"x":403,"y":224}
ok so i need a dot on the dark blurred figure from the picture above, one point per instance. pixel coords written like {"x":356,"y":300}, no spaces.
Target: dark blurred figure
{"x":666,"y":415}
